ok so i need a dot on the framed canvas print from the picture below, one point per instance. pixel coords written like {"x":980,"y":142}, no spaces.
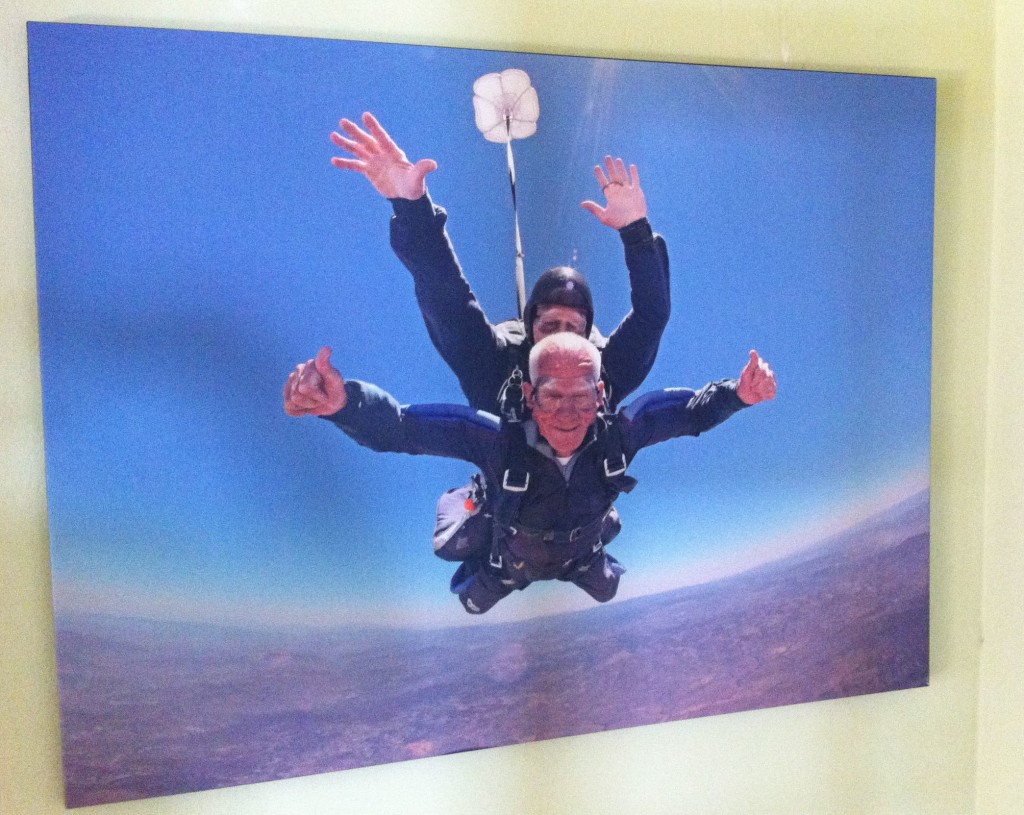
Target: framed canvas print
{"x":656,"y":335}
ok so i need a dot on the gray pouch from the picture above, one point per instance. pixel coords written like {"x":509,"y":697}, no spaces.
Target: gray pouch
{"x":463,"y":526}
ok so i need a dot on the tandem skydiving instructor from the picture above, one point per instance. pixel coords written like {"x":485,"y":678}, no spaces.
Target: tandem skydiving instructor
{"x":484,"y":356}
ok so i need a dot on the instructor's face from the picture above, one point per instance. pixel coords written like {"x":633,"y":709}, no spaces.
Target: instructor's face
{"x":556,"y":319}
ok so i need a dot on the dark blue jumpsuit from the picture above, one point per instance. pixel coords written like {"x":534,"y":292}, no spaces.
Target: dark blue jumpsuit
{"x":483,"y":355}
{"x":561,"y":507}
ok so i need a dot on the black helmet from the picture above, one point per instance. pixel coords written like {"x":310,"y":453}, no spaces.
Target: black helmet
{"x":560,"y":286}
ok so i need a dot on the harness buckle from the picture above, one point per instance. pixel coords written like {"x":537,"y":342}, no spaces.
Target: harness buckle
{"x":508,"y":487}
{"x":610,"y":473}
{"x":495,"y":560}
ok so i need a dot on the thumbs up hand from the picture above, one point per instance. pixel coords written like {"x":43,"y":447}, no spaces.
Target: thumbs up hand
{"x":315,"y":388}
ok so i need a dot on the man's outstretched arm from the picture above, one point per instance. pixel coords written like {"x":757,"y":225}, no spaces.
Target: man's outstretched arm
{"x":374,"y":419}
{"x":661,"y":415}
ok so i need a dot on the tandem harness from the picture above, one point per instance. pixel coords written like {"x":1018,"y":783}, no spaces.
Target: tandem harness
{"x":478,"y":523}
{"x":544,"y":554}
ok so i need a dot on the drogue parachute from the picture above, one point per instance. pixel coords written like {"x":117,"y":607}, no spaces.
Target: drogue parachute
{"x":507,"y":108}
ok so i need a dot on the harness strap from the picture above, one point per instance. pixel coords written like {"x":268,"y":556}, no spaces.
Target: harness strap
{"x":570,"y":536}
{"x":533,"y":554}
{"x":609,"y":395}
{"x":512,"y":398}
{"x":610,"y":436}
{"x":515,"y":480}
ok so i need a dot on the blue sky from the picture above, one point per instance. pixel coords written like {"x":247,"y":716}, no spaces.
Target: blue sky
{"x":194,"y":243}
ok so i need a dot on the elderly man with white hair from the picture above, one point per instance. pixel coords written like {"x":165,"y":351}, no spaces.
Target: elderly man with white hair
{"x":553,"y":479}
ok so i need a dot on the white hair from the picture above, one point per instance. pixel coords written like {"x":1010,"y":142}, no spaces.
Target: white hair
{"x":565,"y":343}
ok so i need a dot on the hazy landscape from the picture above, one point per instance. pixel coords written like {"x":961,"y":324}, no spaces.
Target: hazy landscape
{"x":153,"y":708}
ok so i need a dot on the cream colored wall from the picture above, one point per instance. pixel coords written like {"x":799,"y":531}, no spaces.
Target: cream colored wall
{"x":909,"y":752}
{"x":1001,"y":698}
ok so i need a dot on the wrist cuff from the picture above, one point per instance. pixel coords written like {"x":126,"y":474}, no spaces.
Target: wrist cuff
{"x":636,"y":232}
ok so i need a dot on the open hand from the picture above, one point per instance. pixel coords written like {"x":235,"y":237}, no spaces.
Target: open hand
{"x":624,"y":198}
{"x":381,"y":160}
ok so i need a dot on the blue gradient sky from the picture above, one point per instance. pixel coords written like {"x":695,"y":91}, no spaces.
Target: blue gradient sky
{"x":194,"y":243}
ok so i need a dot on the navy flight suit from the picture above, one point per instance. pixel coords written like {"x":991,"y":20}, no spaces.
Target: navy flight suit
{"x":483,"y":355}
{"x":561,"y":507}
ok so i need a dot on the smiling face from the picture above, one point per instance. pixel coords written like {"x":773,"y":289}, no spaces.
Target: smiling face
{"x":566,"y":392}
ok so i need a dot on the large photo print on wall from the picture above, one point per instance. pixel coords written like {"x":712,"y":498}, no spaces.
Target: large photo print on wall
{"x":672,"y":393}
